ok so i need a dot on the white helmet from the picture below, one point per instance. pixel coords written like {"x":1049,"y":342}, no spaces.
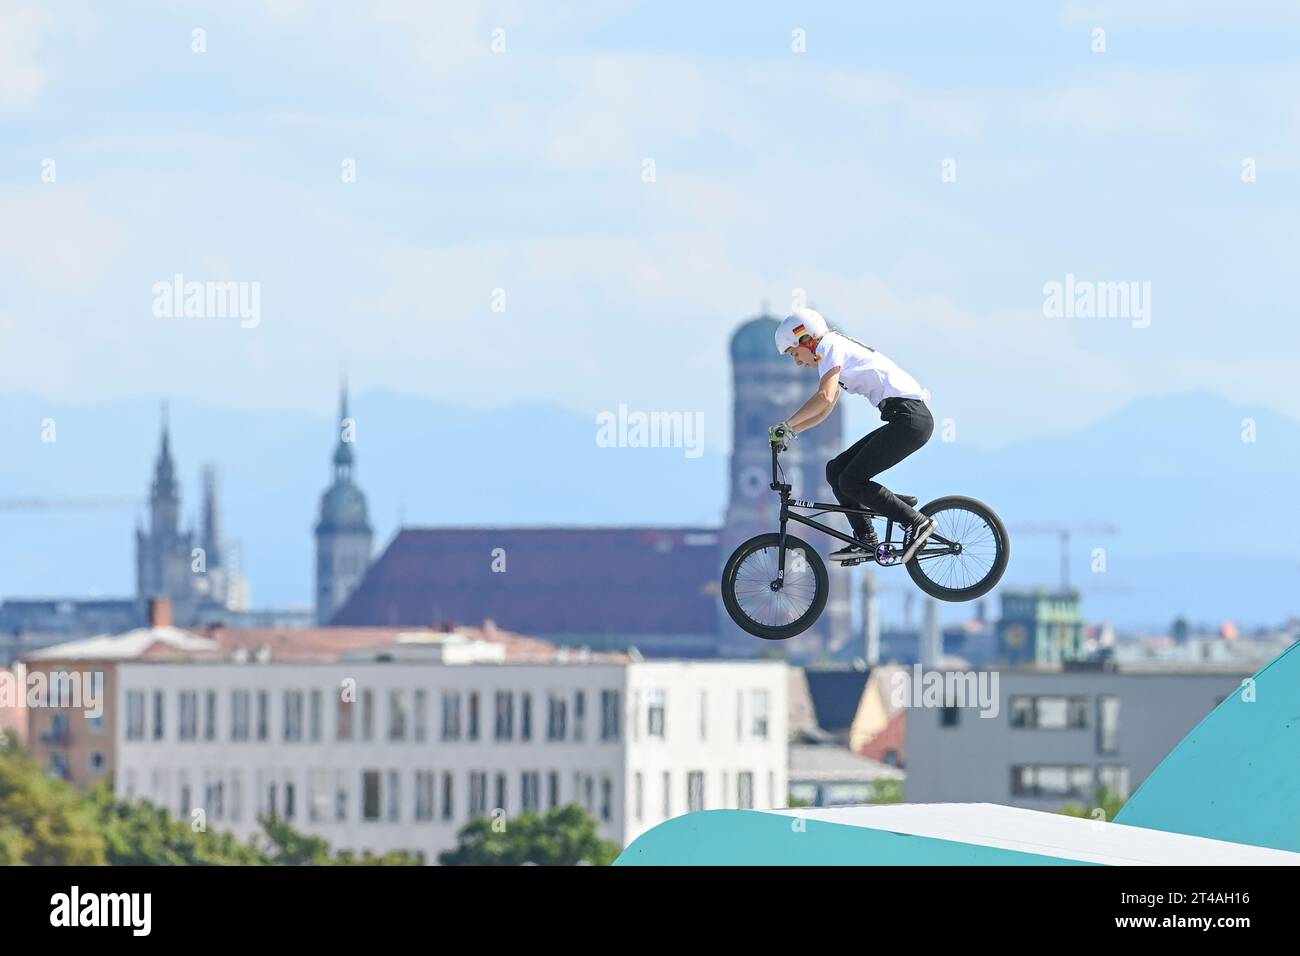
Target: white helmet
{"x":799,"y":323}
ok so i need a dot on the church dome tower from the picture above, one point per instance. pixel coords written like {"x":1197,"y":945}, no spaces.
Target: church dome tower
{"x":768,"y":388}
{"x":343,"y":534}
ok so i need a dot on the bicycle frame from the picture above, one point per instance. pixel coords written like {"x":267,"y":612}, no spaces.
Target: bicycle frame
{"x":787,"y":515}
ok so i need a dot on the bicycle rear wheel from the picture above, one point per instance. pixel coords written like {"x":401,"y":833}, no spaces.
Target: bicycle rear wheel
{"x":967,"y":554}
{"x":774,"y":615}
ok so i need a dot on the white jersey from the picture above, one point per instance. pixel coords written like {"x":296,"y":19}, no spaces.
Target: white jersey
{"x":864,"y":371}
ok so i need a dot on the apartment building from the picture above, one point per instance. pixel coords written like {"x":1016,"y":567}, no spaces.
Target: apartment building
{"x":397,"y":748}
{"x":1060,"y":733}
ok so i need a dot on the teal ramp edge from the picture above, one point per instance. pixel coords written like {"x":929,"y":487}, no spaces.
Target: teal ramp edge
{"x":754,"y":838}
{"x":1236,"y":776}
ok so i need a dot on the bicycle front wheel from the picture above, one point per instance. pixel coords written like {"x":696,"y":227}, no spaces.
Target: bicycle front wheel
{"x":967,"y":554}
{"x":774,"y":614}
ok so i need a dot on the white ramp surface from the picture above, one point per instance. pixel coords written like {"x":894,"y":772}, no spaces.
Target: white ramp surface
{"x":1047,"y":834}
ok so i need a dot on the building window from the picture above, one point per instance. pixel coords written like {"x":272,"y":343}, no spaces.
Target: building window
{"x":949,"y":716}
{"x":451,"y":715}
{"x":1049,"y":713}
{"x":759,"y":717}
{"x":501,"y":792}
{"x":694,"y":791}
{"x":473,"y":716}
{"x":477,"y":794}
{"x":634,"y":719}
{"x":1114,"y":779}
{"x":135,"y":715}
{"x":236,"y":796}
{"x":317,"y":707}
{"x":579,"y":715}
{"x":188,"y":728}
{"x":657,"y":718}
{"x":638,"y":796}
{"x":606,"y":798}
{"x":530,"y":786}
{"x":505,"y":717}
{"x":397,"y":714}
{"x":370,"y":795}
{"x":745,"y":790}
{"x":1107,"y":725}
{"x":552,"y":790}
{"x":609,"y":713}
{"x":367,"y":715}
{"x":1057,"y":781}
{"x":210,"y":715}
{"x":318,"y":795}
{"x":704,"y":715}
{"x":668,"y":794}
{"x":340,"y":796}
{"x":158,"y":726}
{"x":293,"y":716}
{"x":394,"y":796}
{"x":424,"y":795}
{"x":421,"y":717}
{"x":239,"y":706}
{"x":343,"y":726}
{"x":556,"y":717}
{"x":526,"y":716}
{"x":97,"y":763}
{"x":448,"y":805}
{"x":288,"y":800}
{"x":263,"y":714}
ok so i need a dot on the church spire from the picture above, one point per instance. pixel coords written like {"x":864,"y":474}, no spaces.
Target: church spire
{"x":164,"y":472}
{"x":343,"y":457}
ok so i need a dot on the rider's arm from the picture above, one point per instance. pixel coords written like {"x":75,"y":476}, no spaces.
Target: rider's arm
{"x":815,"y":410}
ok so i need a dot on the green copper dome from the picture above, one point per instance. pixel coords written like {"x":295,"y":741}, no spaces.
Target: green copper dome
{"x":755,"y":341}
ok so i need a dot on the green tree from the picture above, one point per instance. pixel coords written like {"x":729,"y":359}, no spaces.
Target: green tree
{"x":1108,"y":801}
{"x":43,"y":821}
{"x":887,"y":791}
{"x":141,"y":834}
{"x":564,"y":836}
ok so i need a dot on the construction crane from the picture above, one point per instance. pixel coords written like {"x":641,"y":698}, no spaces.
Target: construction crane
{"x":58,"y":504}
{"x":1063,"y":532}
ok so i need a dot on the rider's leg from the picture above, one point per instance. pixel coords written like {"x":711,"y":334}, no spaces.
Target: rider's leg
{"x":835,"y":467}
{"x":908,"y":427}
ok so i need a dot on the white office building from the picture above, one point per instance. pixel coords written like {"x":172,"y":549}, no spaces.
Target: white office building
{"x":399,"y":750}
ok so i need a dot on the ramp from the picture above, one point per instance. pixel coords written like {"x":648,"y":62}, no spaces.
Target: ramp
{"x":938,"y":834}
{"x":1236,"y":776}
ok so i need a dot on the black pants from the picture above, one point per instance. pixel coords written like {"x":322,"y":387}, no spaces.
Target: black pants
{"x":908,"y":426}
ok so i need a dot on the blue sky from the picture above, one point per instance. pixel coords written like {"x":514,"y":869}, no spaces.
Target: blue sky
{"x":775,"y":171}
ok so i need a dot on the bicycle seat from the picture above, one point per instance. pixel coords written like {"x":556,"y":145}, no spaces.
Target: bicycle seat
{"x":907,"y":500}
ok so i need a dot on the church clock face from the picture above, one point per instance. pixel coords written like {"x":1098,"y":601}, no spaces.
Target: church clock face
{"x":753,"y":481}
{"x":1015,"y":635}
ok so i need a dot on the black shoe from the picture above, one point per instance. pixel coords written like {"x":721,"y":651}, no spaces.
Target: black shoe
{"x":918,"y":532}
{"x":853,"y":552}
{"x":865,"y":548}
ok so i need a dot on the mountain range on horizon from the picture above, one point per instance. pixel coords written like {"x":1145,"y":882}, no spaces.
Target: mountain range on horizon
{"x":1187,"y":494}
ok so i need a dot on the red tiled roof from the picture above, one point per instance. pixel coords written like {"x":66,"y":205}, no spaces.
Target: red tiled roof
{"x":556,"y":582}
{"x":327,"y":643}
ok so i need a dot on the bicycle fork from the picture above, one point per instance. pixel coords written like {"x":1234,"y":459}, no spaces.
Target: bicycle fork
{"x":780,"y":549}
